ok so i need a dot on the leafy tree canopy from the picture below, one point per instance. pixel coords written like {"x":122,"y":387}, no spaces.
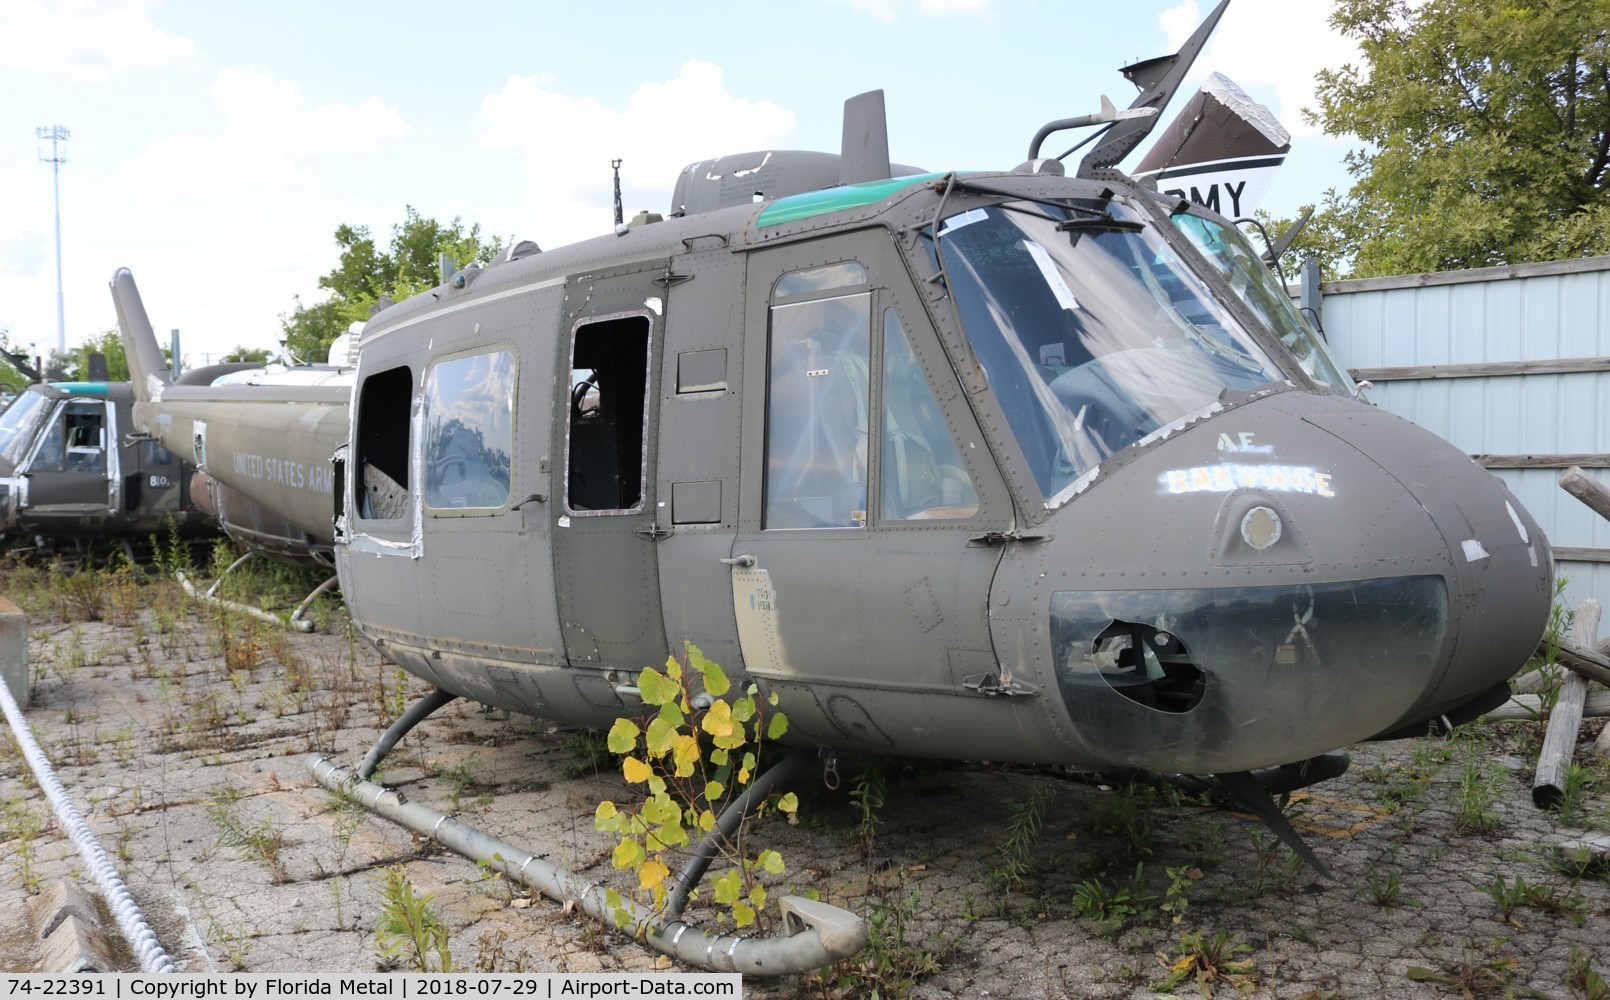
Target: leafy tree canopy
{"x":1489,"y":130}
{"x":74,"y":365}
{"x":366,"y":273}
{"x":258,"y":355}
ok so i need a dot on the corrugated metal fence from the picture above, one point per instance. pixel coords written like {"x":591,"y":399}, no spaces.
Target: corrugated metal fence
{"x":1511,"y":364}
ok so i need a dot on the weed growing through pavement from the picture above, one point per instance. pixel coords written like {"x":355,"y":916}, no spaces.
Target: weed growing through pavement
{"x":409,"y":933}
{"x":1207,"y":960}
{"x":1583,"y":980}
{"x":1017,"y":851}
{"x":262,"y":841}
{"x":1475,"y":799}
{"x":867,"y":792}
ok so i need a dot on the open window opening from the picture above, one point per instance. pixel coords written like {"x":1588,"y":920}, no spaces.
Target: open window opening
{"x":75,"y":441}
{"x":1148,"y":666}
{"x":383,"y":444}
{"x":608,"y":406}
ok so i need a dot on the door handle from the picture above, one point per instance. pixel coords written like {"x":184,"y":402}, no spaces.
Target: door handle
{"x":743,"y":560}
{"x":653,"y":532}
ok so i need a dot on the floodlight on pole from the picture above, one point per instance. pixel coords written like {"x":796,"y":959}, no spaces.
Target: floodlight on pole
{"x":57,"y":134}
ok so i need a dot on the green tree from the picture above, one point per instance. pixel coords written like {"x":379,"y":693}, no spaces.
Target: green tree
{"x":257,"y":355}
{"x":75,"y":363}
{"x":366,"y":273}
{"x":12,"y":380}
{"x":1488,"y":123}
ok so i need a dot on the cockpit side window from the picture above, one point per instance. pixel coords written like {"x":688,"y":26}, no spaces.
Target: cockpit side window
{"x":18,"y":424}
{"x":384,"y":428}
{"x":818,"y":402}
{"x":74,"y":442}
{"x":469,"y":432}
{"x":1253,"y":282}
{"x":607,"y":463}
{"x":921,"y":474}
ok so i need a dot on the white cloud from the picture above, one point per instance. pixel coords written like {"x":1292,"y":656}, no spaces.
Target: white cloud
{"x":955,"y":8}
{"x":268,"y":131}
{"x":1269,"y":47}
{"x":85,"y":39}
{"x":24,"y":225}
{"x":889,"y":11}
{"x":567,"y":142}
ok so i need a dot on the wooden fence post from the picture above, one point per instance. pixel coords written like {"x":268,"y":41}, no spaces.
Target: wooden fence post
{"x":1559,"y":742}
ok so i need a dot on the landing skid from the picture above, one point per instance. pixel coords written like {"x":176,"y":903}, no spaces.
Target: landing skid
{"x":816,"y":934}
{"x":296,"y":619}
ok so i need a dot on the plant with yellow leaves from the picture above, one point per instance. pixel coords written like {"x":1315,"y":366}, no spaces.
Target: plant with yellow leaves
{"x":696,"y":755}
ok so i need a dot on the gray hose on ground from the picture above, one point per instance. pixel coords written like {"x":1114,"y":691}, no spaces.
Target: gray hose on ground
{"x":819,"y":934}
{"x":141,"y":938}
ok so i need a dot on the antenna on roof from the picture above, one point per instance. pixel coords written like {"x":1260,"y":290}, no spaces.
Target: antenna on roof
{"x":864,"y":149}
{"x":620,"y":214}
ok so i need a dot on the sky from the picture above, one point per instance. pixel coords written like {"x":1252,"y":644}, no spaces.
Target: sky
{"x":215,"y":146}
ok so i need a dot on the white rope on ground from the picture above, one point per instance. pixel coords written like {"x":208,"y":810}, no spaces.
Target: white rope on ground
{"x":141,"y":938}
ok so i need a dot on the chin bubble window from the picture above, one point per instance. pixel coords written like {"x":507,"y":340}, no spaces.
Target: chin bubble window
{"x":469,"y":433}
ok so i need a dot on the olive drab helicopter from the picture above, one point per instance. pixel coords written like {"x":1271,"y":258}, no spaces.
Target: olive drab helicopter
{"x":1034,"y":465}
{"x":269,"y":503}
{"x":70,"y":475}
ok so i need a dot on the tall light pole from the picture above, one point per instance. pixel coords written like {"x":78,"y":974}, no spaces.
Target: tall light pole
{"x":57,"y":135}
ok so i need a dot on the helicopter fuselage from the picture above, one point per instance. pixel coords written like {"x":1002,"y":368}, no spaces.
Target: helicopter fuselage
{"x":995,"y":468}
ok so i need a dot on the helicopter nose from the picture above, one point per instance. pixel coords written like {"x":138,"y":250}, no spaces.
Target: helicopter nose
{"x":1500,"y":574}
{"x":1316,"y":572}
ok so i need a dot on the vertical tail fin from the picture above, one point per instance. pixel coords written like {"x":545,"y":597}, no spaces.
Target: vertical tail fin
{"x":147,"y":368}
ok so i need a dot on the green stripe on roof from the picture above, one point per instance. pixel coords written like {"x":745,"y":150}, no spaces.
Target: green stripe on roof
{"x":803,"y":206}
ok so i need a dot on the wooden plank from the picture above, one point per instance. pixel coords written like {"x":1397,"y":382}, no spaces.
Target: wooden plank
{"x":1543,"y":461}
{"x":1559,"y":741}
{"x":1529,"y":708}
{"x":1482,"y":369}
{"x":1580,"y":553}
{"x":1587,"y":489}
{"x":1584,"y":660}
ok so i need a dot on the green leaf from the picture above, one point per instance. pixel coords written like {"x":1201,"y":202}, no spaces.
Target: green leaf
{"x":713,"y":790}
{"x":608,"y":818}
{"x":715,"y":679}
{"x":627,"y":853}
{"x":623,"y":736}
{"x":777,"y":726}
{"x":672,"y":713}
{"x":770,"y":861}
{"x":655,"y":688}
{"x":742,"y":914}
{"x":728,"y":888}
{"x":788,"y":802}
{"x":662,"y":737}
